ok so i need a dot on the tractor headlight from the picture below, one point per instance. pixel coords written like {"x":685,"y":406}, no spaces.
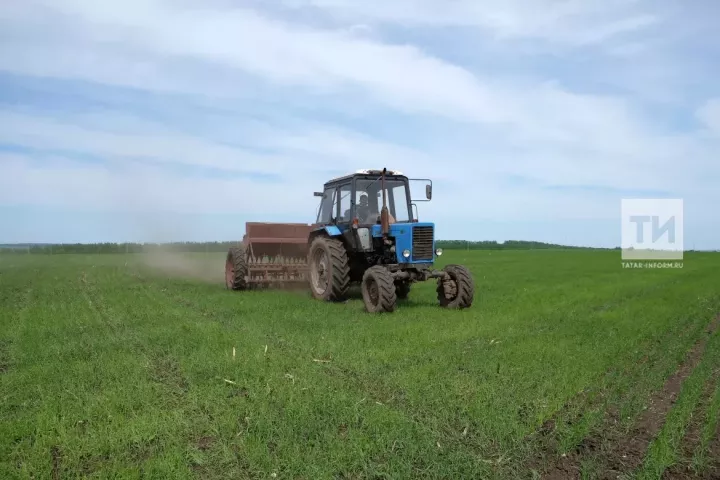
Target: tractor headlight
{"x":438,"y":251}
{"x":406,"y":253}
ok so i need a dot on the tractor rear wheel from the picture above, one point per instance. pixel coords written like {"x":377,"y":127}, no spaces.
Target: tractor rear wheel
{"x":329,"y":269}
{"x":236,"y":269}
{"x":378,"y":290}
{"x":457,"y":290}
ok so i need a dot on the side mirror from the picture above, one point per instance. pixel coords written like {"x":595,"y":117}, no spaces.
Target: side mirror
{"x":428,"y":190}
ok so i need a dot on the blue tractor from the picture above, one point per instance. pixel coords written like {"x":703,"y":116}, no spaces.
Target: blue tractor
{"x":366,"y":233}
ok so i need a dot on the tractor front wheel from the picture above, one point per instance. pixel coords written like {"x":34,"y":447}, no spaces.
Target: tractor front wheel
{"x":378,"y":290}
{"x":236,"y":269}
{"x":457,"y":289}
{"x":329,"y":269}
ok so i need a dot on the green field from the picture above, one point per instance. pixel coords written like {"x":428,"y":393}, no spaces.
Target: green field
{"x":122,"y":366}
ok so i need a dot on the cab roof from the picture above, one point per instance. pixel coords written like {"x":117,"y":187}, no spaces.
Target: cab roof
{"x":364,"y":172}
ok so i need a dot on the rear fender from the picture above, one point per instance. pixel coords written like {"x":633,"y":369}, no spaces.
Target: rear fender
{"x":326,"y":230}
{"x":332,"y":230}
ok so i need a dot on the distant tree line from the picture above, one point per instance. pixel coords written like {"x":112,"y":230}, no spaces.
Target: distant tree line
{"x":213,"y":247}
{"x":176,"y":247}
{"x":493,"y":245}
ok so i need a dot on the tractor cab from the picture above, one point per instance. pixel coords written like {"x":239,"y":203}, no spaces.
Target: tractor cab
{"x":352,"y":209}
{"x":357,"y":199}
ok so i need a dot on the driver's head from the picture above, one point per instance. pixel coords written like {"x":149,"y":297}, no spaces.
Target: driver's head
{"x":363,"y":200}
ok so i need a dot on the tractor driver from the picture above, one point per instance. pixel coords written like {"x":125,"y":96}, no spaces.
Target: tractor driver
{"x":363,"y":209}
{"x":366,"y":215}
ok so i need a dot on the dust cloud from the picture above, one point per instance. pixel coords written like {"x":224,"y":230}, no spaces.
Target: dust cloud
{"x":160,"y":257}
{"x":205,"y":267}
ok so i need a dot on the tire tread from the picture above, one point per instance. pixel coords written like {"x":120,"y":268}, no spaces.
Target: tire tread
{"x":465,"y":286}
{"x":386,"y":290}
{"x":339,"y":267}
{"x":236,"y":255}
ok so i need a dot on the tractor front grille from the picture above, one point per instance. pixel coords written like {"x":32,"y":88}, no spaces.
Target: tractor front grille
{"x":422,"y":243}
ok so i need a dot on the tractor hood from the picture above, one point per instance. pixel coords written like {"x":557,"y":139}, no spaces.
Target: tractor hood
{"x":414,"y":242}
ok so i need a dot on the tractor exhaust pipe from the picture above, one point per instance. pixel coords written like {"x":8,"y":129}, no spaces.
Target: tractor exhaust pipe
{"x":384,"y":216}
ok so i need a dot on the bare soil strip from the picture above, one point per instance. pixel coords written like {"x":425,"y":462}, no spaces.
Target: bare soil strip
{"x":56,"y":458}
{"x":615,"y":452}
{"x":684,"y":469}
{"x":713,"y":470}
{"x":5,"y":361}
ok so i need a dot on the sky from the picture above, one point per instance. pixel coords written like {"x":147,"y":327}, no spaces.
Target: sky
{"x":159,"y":120}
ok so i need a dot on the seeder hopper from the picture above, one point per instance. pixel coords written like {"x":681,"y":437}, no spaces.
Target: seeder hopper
{"x":270,"y":254}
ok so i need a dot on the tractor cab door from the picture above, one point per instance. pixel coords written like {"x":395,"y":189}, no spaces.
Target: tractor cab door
{"x":345,"y":204}
{"x":336,"y":207}
{"x":328,"y":207}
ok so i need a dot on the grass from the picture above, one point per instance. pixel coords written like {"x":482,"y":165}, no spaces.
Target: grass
{"x":113,"y":366}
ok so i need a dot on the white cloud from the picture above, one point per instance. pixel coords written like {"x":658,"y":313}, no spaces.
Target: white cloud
{"x":60,"y":182}
{"x":398,"y":75}
{"x":297,"y":152}
{"x":573,"y":23}
{"x":302,"y":152}
{"x":243,"y":39}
